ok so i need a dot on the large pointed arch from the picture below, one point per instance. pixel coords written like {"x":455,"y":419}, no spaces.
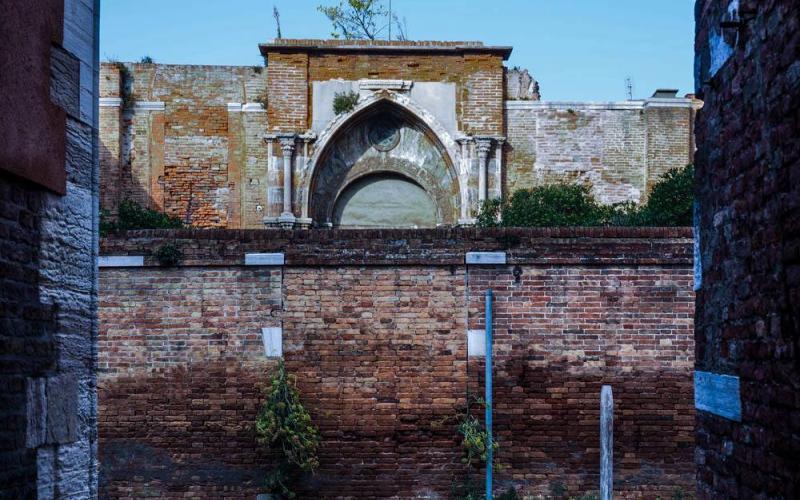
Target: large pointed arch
{"x":367,"y":109}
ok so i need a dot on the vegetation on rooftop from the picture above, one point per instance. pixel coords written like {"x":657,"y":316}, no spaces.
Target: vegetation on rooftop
{"x":364,"y":20}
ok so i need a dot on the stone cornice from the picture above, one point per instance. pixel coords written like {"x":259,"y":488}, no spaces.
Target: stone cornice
{"x":377,"y":46}
{"x":602,"y":106}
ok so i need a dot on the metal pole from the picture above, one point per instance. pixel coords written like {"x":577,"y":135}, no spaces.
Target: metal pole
{"x":488,"y":415}
{"x":606,"y":443}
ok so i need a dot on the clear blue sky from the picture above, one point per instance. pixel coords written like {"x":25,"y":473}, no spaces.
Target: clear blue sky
{"x":577,"y":49}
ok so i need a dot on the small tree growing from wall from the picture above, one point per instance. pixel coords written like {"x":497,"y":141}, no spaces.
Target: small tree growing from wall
{"x":285,"y":428}
{"x":362,"y":20}
{"x":344,"y":102}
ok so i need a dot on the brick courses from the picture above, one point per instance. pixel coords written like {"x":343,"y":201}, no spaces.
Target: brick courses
{"x":375,"y":328}
{"x":748,"y":173}
{"x":195,"y":158}
{"x":48,"y":249}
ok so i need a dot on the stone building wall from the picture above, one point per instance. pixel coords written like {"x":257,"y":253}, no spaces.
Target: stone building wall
{"x":186,"y":140}
{"x":621,"y":148}
{"x":192,"y":142}
{"x":48,"y":249}
{"x":748,"y":173}
{"x":375,"y":327}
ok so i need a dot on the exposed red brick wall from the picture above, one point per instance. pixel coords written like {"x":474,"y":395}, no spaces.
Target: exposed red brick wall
{"x":478,"y":79}
{"x":287,"y":92}
{"x":748,"y":315}
{"x":561,"y":332}
{"x":379,"y":349}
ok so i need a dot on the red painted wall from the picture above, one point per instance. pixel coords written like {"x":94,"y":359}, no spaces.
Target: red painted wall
{"x":32,"y":128}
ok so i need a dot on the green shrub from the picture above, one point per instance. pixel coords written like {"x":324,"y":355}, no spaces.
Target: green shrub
{"x":546,"y":206}
{"x":285,"y":428}
{"x":670,"y":204}
{"x":489,"y":214}
{"x":671,"y":201}
{"x":168,"y":255}
{"x":130,"y":215}
{"x":344,"y":102}
{"x":509,"y":494}
{"x":475,"y":441}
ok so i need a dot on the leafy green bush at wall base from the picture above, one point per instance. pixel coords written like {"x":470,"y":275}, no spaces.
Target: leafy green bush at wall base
{"x":670,"y":204}
{"x":284,"y":426}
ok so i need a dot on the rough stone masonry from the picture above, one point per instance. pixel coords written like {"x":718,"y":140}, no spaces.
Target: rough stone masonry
{"x":241,"y":147}
{"x":48,"y":248}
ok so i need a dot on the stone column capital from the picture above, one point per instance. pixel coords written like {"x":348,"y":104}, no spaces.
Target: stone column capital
{"x":465,"y":139}
{"x":287,"y":144}
{"x":484,"y":146}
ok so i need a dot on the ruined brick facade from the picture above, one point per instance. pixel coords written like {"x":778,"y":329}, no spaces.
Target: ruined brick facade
{"x":208,"y":144}
{"x":48,"y":249}
{"x":375,"y":328}
{"x":748,"y":173}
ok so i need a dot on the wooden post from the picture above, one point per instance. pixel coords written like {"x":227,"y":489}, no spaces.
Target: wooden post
{"x":606,"y":443}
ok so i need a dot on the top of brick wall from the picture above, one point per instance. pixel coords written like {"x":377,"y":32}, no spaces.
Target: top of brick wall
{"x":434,"y":247}
{"x":383,"y":46}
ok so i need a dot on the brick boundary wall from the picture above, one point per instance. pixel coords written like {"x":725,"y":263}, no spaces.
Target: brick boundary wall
{"x":375,"y":327}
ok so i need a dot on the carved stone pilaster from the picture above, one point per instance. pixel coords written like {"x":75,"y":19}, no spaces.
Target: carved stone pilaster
{"x":498,"y":158}
{"x":287,"y":143}
{"x":484,"y":147}
{"x":465,"y":167}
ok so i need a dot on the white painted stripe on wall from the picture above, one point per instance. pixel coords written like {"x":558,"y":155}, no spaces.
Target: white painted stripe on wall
{"x":121,"y":261}
{"x":110,"y":102}
{"x":264,"y":259}
{"x":149,"y":106}
{"x":600,"y":106}
{"x":486,"y":258}
{"x":253,"y":107}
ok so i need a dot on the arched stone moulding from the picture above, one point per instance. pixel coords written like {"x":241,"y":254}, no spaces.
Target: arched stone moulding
{"x":340,"y":123}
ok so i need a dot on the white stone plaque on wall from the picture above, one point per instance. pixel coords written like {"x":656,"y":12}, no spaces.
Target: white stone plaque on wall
{"x":273,"y":341}
{"x":476,"y":343}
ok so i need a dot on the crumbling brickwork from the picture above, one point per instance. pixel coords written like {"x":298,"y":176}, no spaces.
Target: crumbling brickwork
{"x":620,"y":149}
{"x":375,"y":327}
{"x":198,"y":143}
{"x":748,"y":178}
{"x":176,"y":145}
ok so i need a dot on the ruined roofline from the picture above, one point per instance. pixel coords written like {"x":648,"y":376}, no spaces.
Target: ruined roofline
{"x":382,"y":46}
{"x":178,"y":65}
{"x":653,"y":102}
